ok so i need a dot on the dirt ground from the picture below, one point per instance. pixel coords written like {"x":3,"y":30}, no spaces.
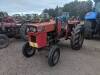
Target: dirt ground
{"x":83,"y":62}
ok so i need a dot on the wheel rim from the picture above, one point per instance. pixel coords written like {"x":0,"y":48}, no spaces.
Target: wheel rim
{"x":55,"y":57}
{"x":29,"y":50}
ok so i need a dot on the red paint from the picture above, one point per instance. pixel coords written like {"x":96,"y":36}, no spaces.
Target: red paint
{"x":41,"y":38}
{"x":59,"y":26}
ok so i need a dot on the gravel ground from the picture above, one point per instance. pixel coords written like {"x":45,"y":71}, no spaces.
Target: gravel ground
{"x":83,"y":62}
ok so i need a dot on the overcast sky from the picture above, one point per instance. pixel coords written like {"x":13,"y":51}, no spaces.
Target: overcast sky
{"x":28,"y":6}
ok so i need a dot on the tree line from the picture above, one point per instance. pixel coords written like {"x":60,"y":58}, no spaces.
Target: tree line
{"x":75,"y":8}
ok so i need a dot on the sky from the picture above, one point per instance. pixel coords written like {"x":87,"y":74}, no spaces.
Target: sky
{"x":29,"y":6}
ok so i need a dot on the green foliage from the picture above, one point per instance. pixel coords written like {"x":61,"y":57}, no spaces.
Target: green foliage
{"x":51,"y":12}
{"x":78,"y":8}
{"x":75,"y":8}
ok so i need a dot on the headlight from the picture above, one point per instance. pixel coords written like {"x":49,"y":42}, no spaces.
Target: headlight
{"x":32,"y":29}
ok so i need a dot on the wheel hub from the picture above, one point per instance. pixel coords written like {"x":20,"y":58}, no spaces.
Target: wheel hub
{"x":30,"y":51}
{"x":56,"y":57}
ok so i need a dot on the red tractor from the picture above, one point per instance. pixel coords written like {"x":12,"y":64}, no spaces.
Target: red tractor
{"x":47,"y":35}
{"x":9,"y":28}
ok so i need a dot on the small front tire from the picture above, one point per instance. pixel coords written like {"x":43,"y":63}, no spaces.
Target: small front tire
{"x":53,"y":56}
{"x":28,"y":51}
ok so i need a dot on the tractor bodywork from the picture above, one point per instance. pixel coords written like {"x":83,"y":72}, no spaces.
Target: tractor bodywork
{"x":8,"y":25}
{"x":8,"y":29}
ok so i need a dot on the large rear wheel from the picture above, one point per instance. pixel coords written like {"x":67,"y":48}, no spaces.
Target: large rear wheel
{"x":77,"y":37}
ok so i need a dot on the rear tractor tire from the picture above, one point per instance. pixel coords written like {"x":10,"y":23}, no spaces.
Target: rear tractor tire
{"x":4,"y":41}
{"x":77,"y":37}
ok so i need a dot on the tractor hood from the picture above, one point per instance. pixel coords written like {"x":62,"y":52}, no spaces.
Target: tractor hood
{"x":91,"y":16}
{"x":46,"y":26}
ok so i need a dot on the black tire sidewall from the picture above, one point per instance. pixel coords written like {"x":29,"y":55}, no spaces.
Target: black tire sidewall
{"x":25,"y":52}
{"x":7,"y":41}
{"x":88,"y":30}
{"x":75,"y":42}
{"x":53,"y":50}
{"x":23,"y":28}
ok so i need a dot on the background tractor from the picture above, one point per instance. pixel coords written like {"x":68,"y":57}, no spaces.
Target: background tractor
{"x":47,"y":34}
{"x":92,"y":23}
{"x":18,"y":18}
{"x":10,"y":27}
{"x":7,"y":29}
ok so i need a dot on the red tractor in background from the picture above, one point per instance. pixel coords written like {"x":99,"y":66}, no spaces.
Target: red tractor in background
{"x":9,"y":28}
{"x":47,"y":35}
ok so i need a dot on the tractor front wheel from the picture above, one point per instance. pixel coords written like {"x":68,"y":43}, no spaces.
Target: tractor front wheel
{"x":77,"y":37}
{"x":28,"y":51}
{"x":54,"y":55}
{"x":4,"y":41}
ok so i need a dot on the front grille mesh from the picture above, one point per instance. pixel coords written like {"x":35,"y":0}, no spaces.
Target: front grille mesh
{"x":33,"y":38}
